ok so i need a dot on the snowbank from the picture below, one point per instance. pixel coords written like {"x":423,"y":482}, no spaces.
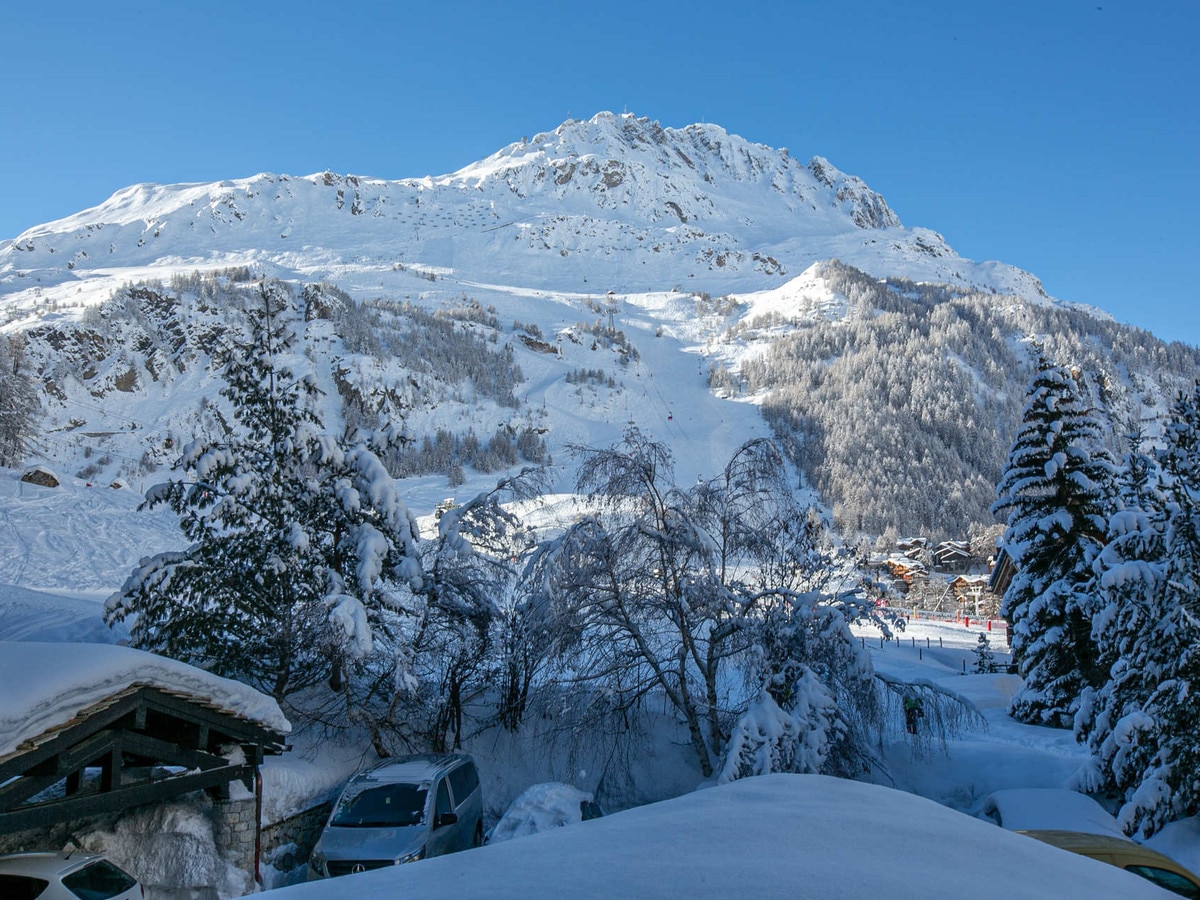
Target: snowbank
{"x":541,"y":807}
{"x":772,"y":836}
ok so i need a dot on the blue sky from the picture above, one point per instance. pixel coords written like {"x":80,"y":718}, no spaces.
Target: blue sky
{"x":1060,"y":136}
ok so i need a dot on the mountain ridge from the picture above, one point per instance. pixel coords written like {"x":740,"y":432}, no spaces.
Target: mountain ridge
{"x":615,"y":190}
{"x":608,"y":274}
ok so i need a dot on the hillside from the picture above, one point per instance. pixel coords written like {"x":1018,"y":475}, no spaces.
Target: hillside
{"x":608,"y":273}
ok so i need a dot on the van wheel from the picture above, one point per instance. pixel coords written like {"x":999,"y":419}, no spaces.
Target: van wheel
{"x":477,"y":841}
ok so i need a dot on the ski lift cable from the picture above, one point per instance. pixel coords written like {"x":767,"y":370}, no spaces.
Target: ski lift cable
{"x":112,"y":415}
{"x":659,"y":403}
{"x":65,"y":445}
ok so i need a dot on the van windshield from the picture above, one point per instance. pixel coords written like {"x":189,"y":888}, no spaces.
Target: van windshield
{"x":388,"y":805}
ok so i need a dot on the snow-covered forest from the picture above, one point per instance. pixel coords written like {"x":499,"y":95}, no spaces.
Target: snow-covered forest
{"x":1104,"y":600}
{"x":897,"y":411}
{"x":900,"y":410}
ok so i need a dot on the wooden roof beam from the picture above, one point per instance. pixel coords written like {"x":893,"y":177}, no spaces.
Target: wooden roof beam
{"x":85,"y":805}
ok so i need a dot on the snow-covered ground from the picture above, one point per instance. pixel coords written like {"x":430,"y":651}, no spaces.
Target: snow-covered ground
{"x":53,"y":583}
{"x":1004,"y":755}
{"x":774,"y":836}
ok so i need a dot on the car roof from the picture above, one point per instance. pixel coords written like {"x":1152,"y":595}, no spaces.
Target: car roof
{"x":416,"y":768}
{"x":1050,"y":809}
{"x":46,"y":865}
{"x":1124,"y":852}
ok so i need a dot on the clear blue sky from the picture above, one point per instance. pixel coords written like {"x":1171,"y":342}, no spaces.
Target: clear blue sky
{"x":1057,"y":135}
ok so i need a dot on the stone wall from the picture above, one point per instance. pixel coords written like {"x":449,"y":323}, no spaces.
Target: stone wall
{"x":287,"y":844}
{"x":235,"y":830}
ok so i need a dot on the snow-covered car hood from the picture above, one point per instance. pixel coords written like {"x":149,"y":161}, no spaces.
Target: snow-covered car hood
{"x":371,"y":843}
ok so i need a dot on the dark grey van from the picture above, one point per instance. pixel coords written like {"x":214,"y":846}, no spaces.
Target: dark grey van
{"x":399,"y":811}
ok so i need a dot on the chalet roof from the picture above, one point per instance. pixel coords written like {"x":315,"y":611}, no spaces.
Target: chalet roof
{"x":964,"y":546}
{"x":965,"y":580}
{"x":153,"y":728}
{"x":952,"y":549}
{"x":46,"y":685}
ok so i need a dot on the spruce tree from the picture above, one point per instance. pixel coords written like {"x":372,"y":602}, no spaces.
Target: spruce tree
{"x":1057,"y":492}
{"x":300,"y":545}
{"x":985,"y":660}
{"x":1169,"y":654}
{"x":1130,"y":573}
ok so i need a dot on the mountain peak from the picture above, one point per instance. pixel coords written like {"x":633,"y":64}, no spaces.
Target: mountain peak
{"x":703,"y":160}
{"x":617,"y":197}
{"x":867,"y":208}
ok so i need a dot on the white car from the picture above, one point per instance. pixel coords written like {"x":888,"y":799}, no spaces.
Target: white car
{"x":72,"y":875}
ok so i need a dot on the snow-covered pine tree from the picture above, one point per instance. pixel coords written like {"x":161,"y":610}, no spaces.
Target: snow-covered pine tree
{"x":1057,"y":492}
{"x":1169,"y":787}
{"x":985,"y":660}
{"x":300,"y":543}
{"x":1130,"y":573}
{"x":19,"y":404}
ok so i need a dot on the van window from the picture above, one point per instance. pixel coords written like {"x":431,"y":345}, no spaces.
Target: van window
{"x":389,"y":805}
{"x":464,"y":780}
{"x":443,"y":799}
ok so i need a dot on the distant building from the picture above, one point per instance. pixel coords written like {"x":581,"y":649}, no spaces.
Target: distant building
{"x":953,"y":556}
{"x":972,"y":594}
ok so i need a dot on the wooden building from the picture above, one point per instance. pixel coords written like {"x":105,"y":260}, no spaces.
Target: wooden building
{"x":95,"y":729}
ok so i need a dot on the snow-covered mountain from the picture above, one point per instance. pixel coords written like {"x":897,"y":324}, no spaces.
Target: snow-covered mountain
{"x":614,"y":203}
{"x":608,"y":273}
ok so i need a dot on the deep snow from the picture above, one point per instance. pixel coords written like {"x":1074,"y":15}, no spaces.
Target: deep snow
{"x":53,"y":582}
{"x":773,"y":836}
{"x":69,"y":547}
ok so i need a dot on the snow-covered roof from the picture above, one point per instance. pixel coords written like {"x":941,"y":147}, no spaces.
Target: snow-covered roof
{"x":47,"y":684}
